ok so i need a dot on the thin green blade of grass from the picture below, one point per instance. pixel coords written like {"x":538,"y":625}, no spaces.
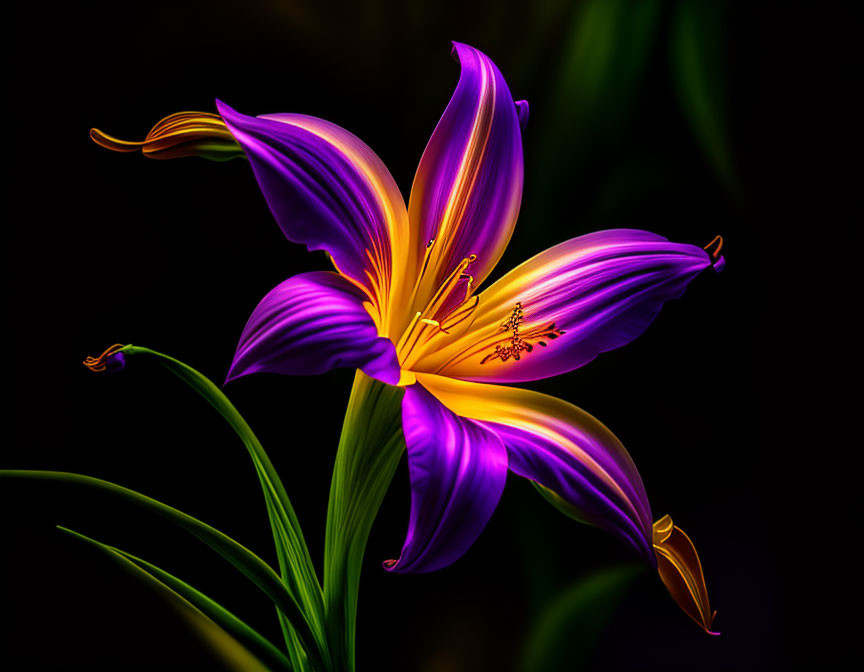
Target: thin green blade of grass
{"x":249,"y":564}
{"x":295,"y":562}
{"x":233,"y":653}
{"x":212,"y":609}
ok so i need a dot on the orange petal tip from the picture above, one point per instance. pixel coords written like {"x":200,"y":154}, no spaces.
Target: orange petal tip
{"x":681,"y":572}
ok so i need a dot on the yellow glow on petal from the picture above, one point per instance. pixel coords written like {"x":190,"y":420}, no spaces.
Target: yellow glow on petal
{"x":472,"y":157}
{"x":473,"y":353}
{"x":389,"y":266}
{"x":434,"y":260}
{"x":537,"y":413}
{"x":406,"y":378}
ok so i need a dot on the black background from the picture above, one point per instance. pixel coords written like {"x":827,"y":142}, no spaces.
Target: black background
{"x":717,"y":402}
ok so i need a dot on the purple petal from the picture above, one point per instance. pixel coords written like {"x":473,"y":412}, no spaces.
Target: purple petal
{"x":468,"y":187}
{"x":586,"y":296}
{"x":457,"y":469}
{"x":577,"y":478}
{"x":328,"y":191}
{"x":310,"y":324}
{"x":562,"y":448}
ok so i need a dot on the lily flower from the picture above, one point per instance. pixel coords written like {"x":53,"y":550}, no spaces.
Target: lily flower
{"x":403,"y":306}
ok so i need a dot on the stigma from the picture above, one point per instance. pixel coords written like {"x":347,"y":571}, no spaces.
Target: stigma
{"x":521,"y":339}
{"x":179,"y":135}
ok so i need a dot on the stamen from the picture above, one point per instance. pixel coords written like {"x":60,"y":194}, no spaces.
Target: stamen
{"x":719,"y":240}
{"x":110,"y":360}
{"x":426,"y":256}
{"x":520,"y":343}
{"x":408,"y":332}
{"x":446,"y":304}
{"x":459,"y":315}
{"x":182,"y":134}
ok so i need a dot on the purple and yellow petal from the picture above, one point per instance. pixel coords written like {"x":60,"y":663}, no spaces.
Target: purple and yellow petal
{"x":562,"y":448}
{"x":457,"y":469}
{"x":310,"y":324}
{"x":468,"y":188}
{"x":329,"y":191}
{"x":681,"y":572}
{"x":560,"y":309}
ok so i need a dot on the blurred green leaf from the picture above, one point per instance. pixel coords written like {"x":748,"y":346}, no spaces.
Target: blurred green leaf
{"x":295,"y":563}
{"x":253,"y":567}
{"x":567,"y":631}
{"x":180,"y":590}
{"x":698,"y":73}
{"x":369,"y":450}
{"x":593,"y":97}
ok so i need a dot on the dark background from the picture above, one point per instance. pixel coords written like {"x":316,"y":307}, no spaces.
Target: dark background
{"x":722,"y":403}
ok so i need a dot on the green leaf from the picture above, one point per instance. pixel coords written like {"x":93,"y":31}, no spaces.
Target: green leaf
{"x":560,"y":503}
{"x":211,"y":609}
{"x":566,"y":632}
{"x":295,"y":562}
{"x":253,"y":567}
{"x":698,"y":73}
{"x":369,"y":451}
{"x":593,"y":94}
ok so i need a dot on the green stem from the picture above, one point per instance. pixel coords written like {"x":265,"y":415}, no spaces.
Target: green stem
{"x":369,"y":451}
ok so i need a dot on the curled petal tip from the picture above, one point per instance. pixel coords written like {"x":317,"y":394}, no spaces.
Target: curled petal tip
{"x":178,"y":135}
{"x":114,"y":144}
{"x":681,"y":572}
{"x":719,"y":264}
{"x":522,"y":111}
{"x":112,"y":359}
{"x":663,"y":529}
{"x":390,"y":565}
